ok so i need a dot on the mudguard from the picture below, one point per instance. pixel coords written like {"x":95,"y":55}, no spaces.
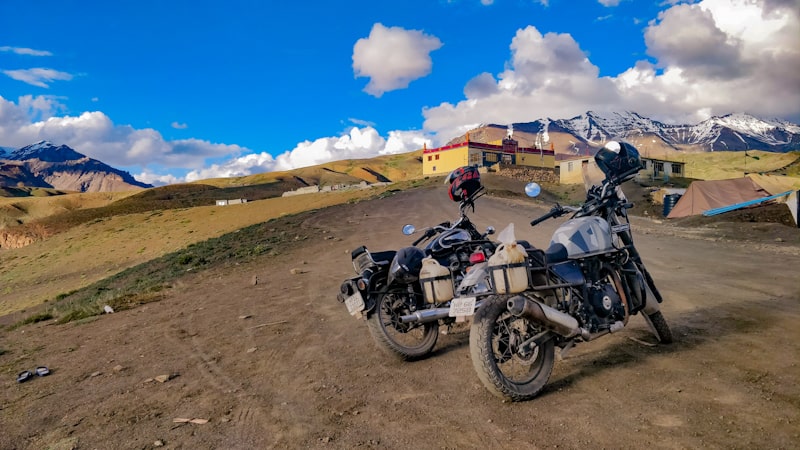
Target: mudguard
{"x":651,"y":305}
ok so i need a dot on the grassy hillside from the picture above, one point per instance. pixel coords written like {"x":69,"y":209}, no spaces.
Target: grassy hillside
{"x":95,"y":250}
{"x":724,"y":165}
{"x":25,"y":205}
{"x":398,"y":167}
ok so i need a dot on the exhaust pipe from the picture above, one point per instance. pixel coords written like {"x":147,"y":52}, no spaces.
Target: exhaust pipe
{"x":426,"y":315}
{"x":561,"y":323}
{"x":431,"y":315}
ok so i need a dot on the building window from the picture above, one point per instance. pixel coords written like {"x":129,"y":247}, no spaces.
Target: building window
{"x":644,"y":164}
{"x":437,"y":157}
{"x":474,"y":158}
{"x":569,"y":166}
{"x":676,"y":169}
{"x":430,"y":157}
{"x":491,"y":157}
{"x":658,"y":166}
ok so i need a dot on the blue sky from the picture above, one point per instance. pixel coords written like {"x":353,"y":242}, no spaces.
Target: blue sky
{"x":183,"y":90}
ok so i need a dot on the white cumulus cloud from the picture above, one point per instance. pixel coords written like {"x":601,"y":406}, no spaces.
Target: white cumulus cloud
{"x":393,"y":57}
{"x":154,"y":159}
{"x":357,"y":143}
{"x":95,"y":135}
{"x":711,"y":58}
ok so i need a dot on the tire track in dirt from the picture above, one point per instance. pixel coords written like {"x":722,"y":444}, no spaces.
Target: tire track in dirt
{"x":246,"y":417}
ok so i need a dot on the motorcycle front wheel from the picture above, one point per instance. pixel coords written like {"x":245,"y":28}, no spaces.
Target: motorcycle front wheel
{"x":508,"y":362}
{"x":659,"y":326}
{"x":407,"y":342}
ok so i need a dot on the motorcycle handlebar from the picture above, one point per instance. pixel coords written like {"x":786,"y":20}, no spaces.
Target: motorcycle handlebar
{"x":555,"y":212}
{"x":430,"y":232}
{"x":424,"y":236}
{"x":622,"y":176}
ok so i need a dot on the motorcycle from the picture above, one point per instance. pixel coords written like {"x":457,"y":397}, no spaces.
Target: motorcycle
{"x":403,"y":308}
{"x":587,"y":284}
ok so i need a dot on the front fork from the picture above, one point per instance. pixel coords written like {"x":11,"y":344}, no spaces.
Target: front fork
{"x":650,"y":307}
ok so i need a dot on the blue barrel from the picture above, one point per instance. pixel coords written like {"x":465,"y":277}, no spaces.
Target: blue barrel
{"x":669,"y":202}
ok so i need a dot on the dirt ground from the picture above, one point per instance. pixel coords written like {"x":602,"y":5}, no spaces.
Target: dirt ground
{"x":280,"y":363}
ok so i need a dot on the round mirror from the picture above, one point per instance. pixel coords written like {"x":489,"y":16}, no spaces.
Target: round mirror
{"x":409,"y":229}
{"x":533,"y":189}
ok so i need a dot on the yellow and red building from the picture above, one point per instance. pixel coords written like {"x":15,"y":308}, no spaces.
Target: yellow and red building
{"x":442,"y":160}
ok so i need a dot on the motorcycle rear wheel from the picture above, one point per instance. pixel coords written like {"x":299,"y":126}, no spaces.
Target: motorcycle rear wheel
{"x":507,"y":370}
{"x":407,"y":342}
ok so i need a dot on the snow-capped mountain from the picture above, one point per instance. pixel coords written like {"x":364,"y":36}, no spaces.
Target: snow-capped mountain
{"x":732,"y":132}
{"x":45,"y":151}
{"x":44,"y":164}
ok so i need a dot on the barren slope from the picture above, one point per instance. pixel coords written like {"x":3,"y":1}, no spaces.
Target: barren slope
{"x":280,"y":364}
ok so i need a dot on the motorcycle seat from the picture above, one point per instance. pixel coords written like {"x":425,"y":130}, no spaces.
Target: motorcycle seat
{"x":556,"y":253}
{"x":383,"y":258}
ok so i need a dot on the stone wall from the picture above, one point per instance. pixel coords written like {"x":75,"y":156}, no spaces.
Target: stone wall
{"x":522,"y":173}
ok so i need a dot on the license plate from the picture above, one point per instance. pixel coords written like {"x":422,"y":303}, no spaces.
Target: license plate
{"x":460,"y":307}
{"x":354,"y":303}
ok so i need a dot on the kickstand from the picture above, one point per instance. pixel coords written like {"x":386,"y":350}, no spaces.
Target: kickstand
{"x":565,"y":349}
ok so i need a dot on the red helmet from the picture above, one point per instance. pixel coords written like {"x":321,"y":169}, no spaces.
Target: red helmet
{"x":464,"y":182}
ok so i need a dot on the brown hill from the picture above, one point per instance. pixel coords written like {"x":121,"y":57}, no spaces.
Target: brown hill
{"x":26,"y":222}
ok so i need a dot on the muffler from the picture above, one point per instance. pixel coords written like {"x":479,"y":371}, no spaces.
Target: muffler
{"x":561,"y":323}
{"x":426,"y":315}
{"x":431,"y":315}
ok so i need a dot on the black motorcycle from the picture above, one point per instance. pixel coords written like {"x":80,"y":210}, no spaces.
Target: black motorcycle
{"x":588,"y":283}
{"x":403,"y":311}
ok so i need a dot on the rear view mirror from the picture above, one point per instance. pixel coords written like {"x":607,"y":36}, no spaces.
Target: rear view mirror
{"x":533,"y":189}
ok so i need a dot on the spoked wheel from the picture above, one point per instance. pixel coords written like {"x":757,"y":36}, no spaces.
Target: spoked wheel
{"x":512,"y":356}
{"x":405,"y":341}
{"x":659,"y":327}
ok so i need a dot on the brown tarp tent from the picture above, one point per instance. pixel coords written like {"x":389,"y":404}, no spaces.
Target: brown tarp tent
{"x":704,"y":195}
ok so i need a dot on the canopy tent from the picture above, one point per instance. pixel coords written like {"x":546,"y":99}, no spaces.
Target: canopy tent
{"x":704,"y":195}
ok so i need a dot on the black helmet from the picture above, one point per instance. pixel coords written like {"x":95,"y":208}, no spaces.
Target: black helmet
{"x":618,"y":158}
{"x":406,"y":265}
{"x":464,"y":182}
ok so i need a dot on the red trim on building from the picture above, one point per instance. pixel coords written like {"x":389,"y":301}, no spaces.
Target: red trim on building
{"x":497,"y":148}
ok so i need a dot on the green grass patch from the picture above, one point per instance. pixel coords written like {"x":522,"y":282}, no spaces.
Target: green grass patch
{"x":36,"y":318}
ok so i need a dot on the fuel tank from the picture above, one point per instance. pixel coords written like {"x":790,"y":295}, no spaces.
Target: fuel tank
{"x":584,"y":236}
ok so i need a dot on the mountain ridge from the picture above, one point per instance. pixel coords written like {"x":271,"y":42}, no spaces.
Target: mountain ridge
{"x":45,"y":164}
{"x":588,"y":131}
